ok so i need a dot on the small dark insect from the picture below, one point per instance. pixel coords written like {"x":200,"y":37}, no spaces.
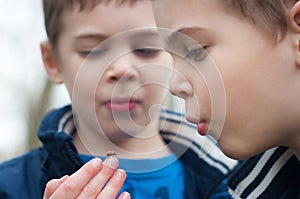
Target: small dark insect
{"x":111,"y":153}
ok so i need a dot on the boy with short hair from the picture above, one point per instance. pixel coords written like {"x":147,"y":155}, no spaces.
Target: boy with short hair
{"x":237,"y":65}
{"x":109,"y":56}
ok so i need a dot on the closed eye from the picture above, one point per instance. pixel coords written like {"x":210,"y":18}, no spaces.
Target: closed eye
{"x":95,"y":53}
{"x":147,"y":52}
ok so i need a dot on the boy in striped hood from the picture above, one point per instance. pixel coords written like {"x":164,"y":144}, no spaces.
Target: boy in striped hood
{"x":237,"y":65}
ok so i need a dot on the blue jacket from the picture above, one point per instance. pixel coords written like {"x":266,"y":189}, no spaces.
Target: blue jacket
{"x":274,"y":174}
{"x":25,"y":177}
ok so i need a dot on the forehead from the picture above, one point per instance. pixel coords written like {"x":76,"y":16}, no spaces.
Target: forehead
{"x":185,"y":12}
{"x":109,"y":18}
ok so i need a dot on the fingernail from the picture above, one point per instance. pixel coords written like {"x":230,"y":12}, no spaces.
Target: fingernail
{"x":111,"y":161}
{"x":125,"y":195}
{"x":96,"y":163}
{"x":120,"y":173}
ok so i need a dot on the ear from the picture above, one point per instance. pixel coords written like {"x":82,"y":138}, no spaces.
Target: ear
{"x":294,"y":26}
{"x":51,"y":63}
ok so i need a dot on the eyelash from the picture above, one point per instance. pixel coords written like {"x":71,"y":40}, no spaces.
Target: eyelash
{"x":197,"y":54}
{"x":147,"y":52}
{"x":92,"y":53}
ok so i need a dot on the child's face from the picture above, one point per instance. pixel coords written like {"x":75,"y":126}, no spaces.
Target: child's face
{"x":117,"y":80}
{"x":254,"y":99}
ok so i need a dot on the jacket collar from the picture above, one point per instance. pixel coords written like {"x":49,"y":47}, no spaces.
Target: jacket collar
{"x":267,"y":175}
{"x":198,"y":152}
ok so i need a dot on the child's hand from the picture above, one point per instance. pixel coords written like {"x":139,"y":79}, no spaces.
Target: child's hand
{"x":89,"y":182}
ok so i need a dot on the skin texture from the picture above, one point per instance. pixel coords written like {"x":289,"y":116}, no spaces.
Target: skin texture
{"x":260,"y":78}
{"x":117,"y":76}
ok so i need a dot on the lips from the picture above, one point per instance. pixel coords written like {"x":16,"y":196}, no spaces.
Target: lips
{"x":202,"y":128}
{"x":121,"y":105}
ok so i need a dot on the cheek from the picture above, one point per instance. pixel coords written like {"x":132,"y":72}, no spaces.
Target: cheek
{"x":209,"y":90}
{"x":154,"y":83}
{"x":251,"y":121}
{"x":69,"y":82}
{"x":242,"y":103}
{"x":202,"y":98}
{"x":84,"y":92}
{"x":80,"y":79}
{"x":155,"y":94}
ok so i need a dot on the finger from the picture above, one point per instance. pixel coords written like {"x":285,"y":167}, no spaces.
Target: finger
{"x":93,"y":188}
{"x":114,"y":185}
{"x":124,"y":195}
{"x":52,"y":185}
{"x":73,"y":186}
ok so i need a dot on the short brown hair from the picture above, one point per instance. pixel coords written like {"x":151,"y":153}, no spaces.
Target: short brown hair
{"x":55,"y":9}
{"x":270,"y":15}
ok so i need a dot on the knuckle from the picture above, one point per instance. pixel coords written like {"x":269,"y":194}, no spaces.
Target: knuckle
{"x":89,"y":190}
{"x":106,"y":171}
{"x":69,"y":186}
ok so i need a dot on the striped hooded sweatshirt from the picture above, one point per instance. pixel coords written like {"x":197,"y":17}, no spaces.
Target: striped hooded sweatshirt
{"x":274,"y":174}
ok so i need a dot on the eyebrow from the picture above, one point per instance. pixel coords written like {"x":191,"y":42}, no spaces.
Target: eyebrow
{"x":91,"y":36}
{"x":185,"y":31}
{"x":101,"y":37}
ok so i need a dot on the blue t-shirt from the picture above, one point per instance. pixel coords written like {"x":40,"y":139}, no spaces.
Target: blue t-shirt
{"x":161,"y":178}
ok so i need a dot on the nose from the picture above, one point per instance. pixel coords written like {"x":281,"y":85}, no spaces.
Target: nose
{"x":179,"y":86}
{"x":123,"y":69}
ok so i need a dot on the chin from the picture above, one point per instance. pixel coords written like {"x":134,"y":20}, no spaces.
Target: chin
{"x":236,"y":156}
{"x":237,"y":150}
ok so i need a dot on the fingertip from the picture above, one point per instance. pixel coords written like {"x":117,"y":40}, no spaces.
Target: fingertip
{"x":57,"y":182}
{"x":53,"y":184}
{"x":96,"y":162}
{"x":125,"y":195}
{"x":111,"y":162}
{"x":64,"y":178}
{"x":120,"y":173}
